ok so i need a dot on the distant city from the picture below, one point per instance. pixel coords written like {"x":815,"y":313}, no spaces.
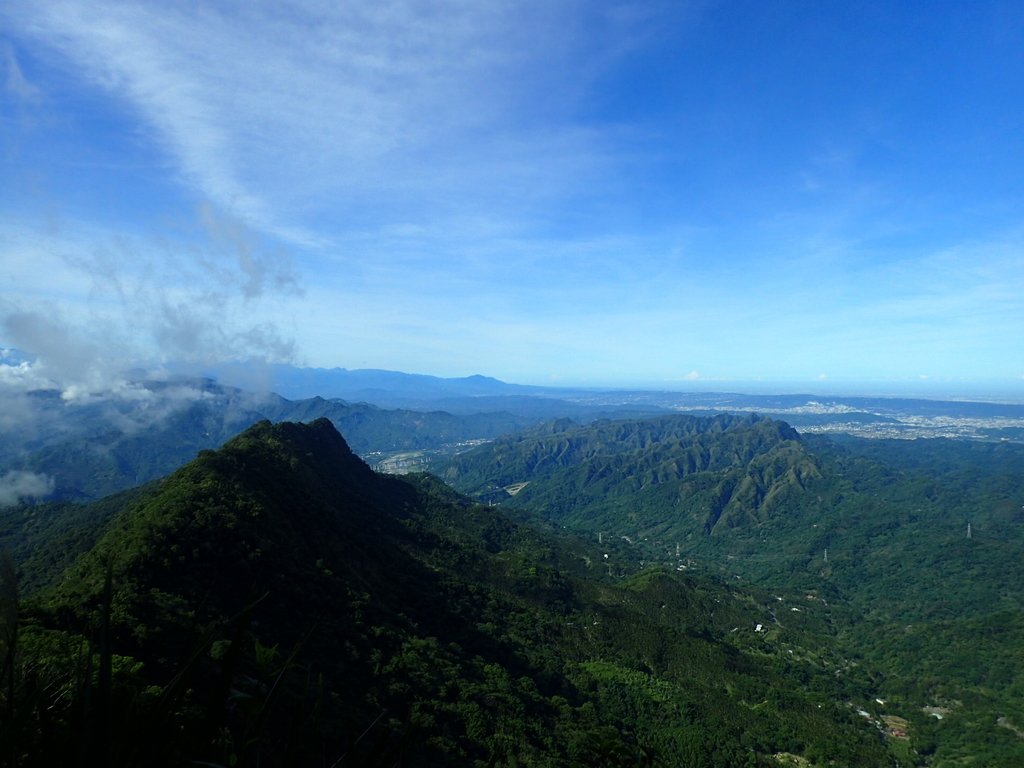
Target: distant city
{"x":868,"y":417}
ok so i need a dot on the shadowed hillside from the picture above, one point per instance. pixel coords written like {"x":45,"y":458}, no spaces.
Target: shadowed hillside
{"x":275,"y":602}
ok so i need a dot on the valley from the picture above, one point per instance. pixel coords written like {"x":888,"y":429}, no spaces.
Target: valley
{"x":873,"y":531}
{"x":404,"y":462}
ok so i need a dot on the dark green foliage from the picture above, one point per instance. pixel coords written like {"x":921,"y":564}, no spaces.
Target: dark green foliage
{"x":277,"y":603}
{"x":934,"y":613}
{"x":716,"y":473}
{"x":44,"y":539}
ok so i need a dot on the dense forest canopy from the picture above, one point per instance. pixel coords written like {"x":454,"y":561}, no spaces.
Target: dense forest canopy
{"x":673,"y":590}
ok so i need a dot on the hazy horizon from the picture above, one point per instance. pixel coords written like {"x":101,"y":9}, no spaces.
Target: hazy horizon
{"x":20,"y":371}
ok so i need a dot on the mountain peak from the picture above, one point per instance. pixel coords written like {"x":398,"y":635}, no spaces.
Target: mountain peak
{"x":317,"y":440}
{"x":257,"y":514}
{"x":320,"y":432}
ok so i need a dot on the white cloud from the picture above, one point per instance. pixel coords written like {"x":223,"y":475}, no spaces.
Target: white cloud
{"x":261,"y":269}
{"x":130,"y":301}
{"x":15,"y":82}
{"x":458,"y":145}
{"x":403,"y":135}
{"x":277,"y":112}
{"x":19,"y":484}
{"x":22,"y":375}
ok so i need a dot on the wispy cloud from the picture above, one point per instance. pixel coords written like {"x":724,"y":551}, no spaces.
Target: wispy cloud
{"x":128,"y":301}
{"x":411,"y":137}
{"x":268,"y":109}
{"x":15,"y":83}
{"x":512,"y":186}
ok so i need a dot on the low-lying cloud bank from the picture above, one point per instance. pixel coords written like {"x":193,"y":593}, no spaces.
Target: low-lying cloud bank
{"x":19,"y":484}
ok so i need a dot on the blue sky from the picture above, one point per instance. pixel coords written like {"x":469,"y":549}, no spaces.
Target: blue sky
{"x":814,"y":192}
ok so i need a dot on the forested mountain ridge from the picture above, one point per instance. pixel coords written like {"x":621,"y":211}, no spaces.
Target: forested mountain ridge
{"x":91,"y":447}
{"x":276,"y":602}
{"x":94,"y":448}
{"x":723,"y":469}
{"x":916,"y":543}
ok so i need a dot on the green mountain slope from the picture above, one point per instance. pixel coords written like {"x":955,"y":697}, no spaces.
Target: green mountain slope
{"x":277,"y":603}
{"x":716,"y":472}
{"x":93,"y":449}
{"x":878,"y":529}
